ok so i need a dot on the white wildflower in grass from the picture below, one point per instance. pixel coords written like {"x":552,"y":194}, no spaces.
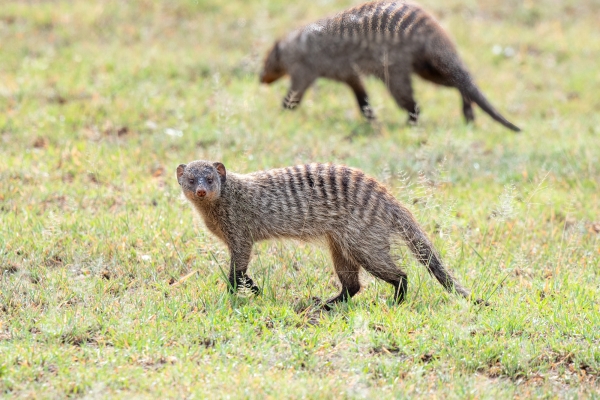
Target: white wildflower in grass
{"x":52,"y":226}
{"x":505,"y":208}
{"x":173,"y":132}
{"x":509,"y":52}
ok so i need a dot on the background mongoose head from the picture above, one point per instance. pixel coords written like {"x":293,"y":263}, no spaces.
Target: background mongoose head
{"x":201,"y":181}
{"x":273,"y":69}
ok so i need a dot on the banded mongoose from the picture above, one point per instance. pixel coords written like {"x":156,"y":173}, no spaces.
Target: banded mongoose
{"x":386,"y":39}
{"x":351,"y":212}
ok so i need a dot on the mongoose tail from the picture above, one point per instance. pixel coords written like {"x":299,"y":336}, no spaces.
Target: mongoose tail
{"x":471,"y":91}
{"x":425,"y":253}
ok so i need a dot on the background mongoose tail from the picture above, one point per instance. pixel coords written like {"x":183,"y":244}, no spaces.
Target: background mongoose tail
{"x":423,"y":250}
{"x":472,"y":91}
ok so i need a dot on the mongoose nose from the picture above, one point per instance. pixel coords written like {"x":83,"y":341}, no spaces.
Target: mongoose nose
{"x":201,"y":192}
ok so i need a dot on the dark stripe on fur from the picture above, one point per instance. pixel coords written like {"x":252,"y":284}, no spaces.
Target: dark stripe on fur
{"x":408,"y":20}
{"x":333,"y":183}
{"x":384,"y":19}
{"x":309,"y":177}
{"x":345,"y":183}
{"x":368,"y":193}
{"x":321,"y":181}
{"x":400,"y":13}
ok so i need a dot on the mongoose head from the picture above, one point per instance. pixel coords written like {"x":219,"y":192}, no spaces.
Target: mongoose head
{"x":273,"y":68}
{"x":201,"y":181}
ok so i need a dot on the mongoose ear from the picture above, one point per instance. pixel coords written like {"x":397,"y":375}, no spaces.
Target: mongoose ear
{"x":277,"y":51}
{"x":221,"y":170}
{"x":180,"y":170}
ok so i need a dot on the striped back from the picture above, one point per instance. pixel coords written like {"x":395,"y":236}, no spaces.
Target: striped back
{"x":378,"y":20}
{"x":314,"y":191}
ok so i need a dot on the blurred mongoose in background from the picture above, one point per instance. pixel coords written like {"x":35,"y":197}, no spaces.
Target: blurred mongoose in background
{"x":386,"y":39}
{"x":351,"y":212}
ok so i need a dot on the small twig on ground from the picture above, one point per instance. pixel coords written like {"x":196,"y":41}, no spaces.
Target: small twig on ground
{"x":184,"y":278}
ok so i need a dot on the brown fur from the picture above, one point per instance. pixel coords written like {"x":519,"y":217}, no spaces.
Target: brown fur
{"x":354,"y":214}
{"x":389,"y":40}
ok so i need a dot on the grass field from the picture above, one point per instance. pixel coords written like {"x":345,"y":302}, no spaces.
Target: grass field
{"x":101,"y":100}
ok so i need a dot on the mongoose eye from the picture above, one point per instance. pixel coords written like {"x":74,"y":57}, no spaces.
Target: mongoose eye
{"x":209,"y":180}
{"x":191,"y":181}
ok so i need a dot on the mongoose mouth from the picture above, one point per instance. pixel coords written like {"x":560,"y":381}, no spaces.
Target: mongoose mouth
{"x":268,"y":78}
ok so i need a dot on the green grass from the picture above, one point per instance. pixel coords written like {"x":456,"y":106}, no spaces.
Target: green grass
{"x":100,"y":101}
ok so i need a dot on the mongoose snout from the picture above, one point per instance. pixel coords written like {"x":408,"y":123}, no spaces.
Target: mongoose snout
{"x":351,"y":212}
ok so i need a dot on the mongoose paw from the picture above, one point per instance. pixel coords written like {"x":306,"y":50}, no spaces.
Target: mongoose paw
{"x":482,"y":302}
{"x":243,"y":281}
{"x":291,"y":101}
{"x":320,"y":304}
{"x":368,"y":112}
{"x":329,"y":304}
{"x":289,"y":105}
{"x":413,"y":116}
{"x":255,"y":290}
{"x":413,"y":120}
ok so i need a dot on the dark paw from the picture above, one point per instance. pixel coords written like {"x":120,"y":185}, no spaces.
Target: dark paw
{"x":469,"y":115}
{"x":368,"y":113}
{"x":399,"y":298}
{"x":290,"y":102}
{"x":413,"y":117}
{"x":245,"y":282}
{"x":329,"y":304}
{"x":482,"y":302}
{"x":318,"y":303}
{"x":255,"y":289}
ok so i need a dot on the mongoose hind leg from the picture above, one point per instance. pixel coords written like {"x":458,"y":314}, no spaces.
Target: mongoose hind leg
{"x":443,"y":76}
{"x":381,"y":265}
{"x":362,"y":98}
{"x":400,"y":87}
{"x":468,"y":108}
{"x":240,"y":257}
{"x":347,"y":271}
{"x":300,"y":82}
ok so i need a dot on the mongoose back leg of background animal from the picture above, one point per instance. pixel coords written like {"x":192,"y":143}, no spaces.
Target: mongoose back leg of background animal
{"x":468,"y":108}
{"x":428,"y":72}
{"x":436,"y":70}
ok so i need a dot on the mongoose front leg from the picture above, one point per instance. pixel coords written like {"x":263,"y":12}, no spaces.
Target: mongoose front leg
{"x":240,"y":257}
{"x":300,"y":82}
{"x":361,"y":97}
